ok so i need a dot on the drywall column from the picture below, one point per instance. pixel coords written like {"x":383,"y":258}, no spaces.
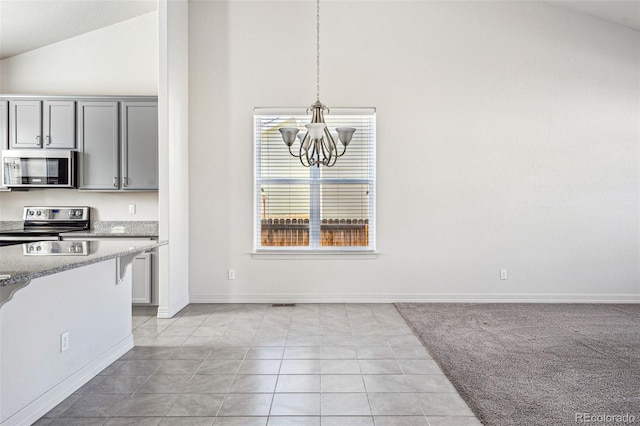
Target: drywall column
{"x":173,"y":122}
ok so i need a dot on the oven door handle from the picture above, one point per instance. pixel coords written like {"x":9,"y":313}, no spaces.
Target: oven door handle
{"x":30,"y":238}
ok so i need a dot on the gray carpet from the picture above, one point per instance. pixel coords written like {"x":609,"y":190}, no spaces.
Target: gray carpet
{"x":536,"y":364}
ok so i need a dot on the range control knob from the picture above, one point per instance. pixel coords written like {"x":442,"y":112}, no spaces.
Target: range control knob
{"x":38,"y":213}
{"x":30,"y":213}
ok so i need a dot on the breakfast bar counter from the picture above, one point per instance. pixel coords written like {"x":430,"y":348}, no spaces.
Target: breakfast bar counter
{"x":65,"y":314}
{"x":16,"y":267}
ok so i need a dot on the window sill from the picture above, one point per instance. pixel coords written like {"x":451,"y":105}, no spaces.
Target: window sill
{"x":314,"y":255}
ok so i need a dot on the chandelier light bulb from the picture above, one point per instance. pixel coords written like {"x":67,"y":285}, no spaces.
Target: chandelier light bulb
{"x":289,"y":134}
{"x":345,"y":134}
{"x":333,"y":146}
{"x":315,"y":130}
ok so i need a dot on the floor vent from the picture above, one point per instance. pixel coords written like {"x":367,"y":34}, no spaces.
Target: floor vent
{"x":283,"y":305}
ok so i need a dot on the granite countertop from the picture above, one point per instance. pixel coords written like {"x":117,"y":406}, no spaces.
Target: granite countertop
{"x":20,"y":268}
{"x":119,"y":229}
{"x":7,"y":225}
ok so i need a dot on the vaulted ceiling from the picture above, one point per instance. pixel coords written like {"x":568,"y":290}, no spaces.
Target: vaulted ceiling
{"x":29,"y":24}
{"x":626,"y":13}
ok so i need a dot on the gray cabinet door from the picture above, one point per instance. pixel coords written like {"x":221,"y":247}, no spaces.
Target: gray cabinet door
{"x":4,"y":125}
{"x":25,"y":118}
{"x":139,"y":167}
{"x":4,"y":132}
{"x":141,"y":278}
{"x":98,"y":145}
{"x":59,"y":124}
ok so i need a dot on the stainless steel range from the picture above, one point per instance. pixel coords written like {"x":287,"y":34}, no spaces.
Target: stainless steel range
{"x":46,"y":224}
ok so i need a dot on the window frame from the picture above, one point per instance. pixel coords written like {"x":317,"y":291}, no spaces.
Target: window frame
{"x":315,"y":249}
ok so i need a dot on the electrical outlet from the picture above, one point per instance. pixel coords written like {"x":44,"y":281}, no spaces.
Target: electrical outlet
{"x":64,"y":341}
{"x":232,"y":274}
{"x":132,"y":209}
{"x":504,"y":274}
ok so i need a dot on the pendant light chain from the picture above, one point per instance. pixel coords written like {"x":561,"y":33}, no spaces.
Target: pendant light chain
{"x":318,"y":146}
{"x":318,"y":50}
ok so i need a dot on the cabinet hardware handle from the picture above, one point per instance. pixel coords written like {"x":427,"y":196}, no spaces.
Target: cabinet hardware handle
{"x":38,"y":141}
{"x":115,"y":182}
{"x":48,"y":139}
{"x":124,"y":181}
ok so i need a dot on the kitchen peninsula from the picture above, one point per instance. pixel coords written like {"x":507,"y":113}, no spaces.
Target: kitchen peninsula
{"x":63,"y":318}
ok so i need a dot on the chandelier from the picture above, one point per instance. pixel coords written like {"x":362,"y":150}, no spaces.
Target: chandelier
{"x":317,"y":146}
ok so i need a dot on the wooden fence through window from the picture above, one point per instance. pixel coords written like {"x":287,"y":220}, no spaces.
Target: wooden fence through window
{"x":287,"y":232}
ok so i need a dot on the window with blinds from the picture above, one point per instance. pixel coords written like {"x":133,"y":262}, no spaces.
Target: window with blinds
{"x":314,"y":208}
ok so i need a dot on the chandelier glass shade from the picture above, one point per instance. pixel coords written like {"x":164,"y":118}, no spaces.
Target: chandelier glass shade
{"x":318,"y":146}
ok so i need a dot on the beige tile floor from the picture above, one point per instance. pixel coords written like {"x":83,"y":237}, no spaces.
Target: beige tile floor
{"x":254,"y":364}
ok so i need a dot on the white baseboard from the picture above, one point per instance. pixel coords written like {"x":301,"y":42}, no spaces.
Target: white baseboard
{"x":416,"y":298}
{"x":170,"y":311}
{"x":64,"y":389}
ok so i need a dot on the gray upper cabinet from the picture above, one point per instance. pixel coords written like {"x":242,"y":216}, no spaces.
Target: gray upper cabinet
{"x":118,"y":146}
{"x":42,"y":124}
{"x":4,"y":125}
{"x":98,"y":141}
{"x":116,"y":136}
{"x":25,"y":124}
{"x":59,"y":124}
{"x":4,"y":131}
{"x":139,"y":166}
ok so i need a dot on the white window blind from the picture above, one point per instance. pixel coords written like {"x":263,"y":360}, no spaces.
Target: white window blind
{"x":314,"y":208}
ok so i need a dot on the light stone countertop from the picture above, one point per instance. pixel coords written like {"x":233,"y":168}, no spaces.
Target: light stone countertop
{"x":20,"y":268}
{"x":10,"y":225}
{"x":120,"y":229}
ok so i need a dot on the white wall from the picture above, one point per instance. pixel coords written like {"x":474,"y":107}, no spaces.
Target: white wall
{"x":107,"y":205}
{"x":508,"y":137}
{"x":120,"y":59}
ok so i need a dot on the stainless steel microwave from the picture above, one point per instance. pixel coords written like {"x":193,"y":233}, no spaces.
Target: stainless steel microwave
{"x":44,"y":168}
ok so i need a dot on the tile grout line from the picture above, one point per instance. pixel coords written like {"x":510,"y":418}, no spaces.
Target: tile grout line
{"x":385,"y":335}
